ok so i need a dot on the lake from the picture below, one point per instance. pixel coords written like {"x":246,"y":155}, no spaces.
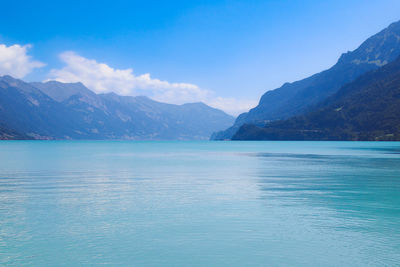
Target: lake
{"x":80,"y":203}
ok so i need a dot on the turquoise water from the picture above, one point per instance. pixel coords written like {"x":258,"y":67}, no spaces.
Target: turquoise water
{"x":199,"y":203}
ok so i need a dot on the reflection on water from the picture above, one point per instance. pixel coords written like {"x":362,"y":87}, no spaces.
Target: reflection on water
{"x":199,"y":203}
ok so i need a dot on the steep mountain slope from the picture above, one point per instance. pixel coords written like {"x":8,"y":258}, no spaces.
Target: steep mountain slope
{"x":55,"y":110}
{"x":28,"y":111}
{"x":366,"y":109}
{"x":296,"y":98}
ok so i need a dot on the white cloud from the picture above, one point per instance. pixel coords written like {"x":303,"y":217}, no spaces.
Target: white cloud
{"x":14,"y":61}
{"x":232,"y":105}
{"x":102,"y":78}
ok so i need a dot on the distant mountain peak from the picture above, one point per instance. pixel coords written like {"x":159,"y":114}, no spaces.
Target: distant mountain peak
{"x":60,"y":91}
{"x":55,"y":110}
{"x":54,"y":82}
{"x":8,"y":79}
{"x":17,"y":83}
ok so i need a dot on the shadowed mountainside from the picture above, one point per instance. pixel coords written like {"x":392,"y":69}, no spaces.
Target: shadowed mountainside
{"x":296,"y":98}
{"x":366,"y":109}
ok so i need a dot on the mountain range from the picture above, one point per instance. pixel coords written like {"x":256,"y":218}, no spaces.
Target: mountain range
{"x":356,"y":99}
{"x":293,"y":99}
{"x":55,"y":110}
{"x":367,"y":109}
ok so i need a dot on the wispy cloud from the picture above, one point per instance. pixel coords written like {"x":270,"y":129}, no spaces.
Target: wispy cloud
{"x":102,"y":78}
{"x":15,"y":61}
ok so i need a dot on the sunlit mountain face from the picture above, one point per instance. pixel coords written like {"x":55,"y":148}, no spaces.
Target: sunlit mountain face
{"x":55,"y":110}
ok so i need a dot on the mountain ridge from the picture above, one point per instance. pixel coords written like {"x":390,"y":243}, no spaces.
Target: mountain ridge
{"x":55,"y":110}
{"x":298,"y":97}
{"x":367,"y":109}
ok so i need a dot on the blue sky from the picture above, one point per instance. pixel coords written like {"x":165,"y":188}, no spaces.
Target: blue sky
{"x":226,"y":53}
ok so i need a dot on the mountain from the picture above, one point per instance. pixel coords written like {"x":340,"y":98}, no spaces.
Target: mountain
{"x":62,"y":91}
{"x":9,"y":134}
{"x":55,"y":110}
{"x":366,"y":109}
{"x":29,"y":111}
{"x":296,"y":98}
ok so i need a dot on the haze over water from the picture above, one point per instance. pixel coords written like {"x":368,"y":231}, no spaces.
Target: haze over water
{"x":199,"y":203}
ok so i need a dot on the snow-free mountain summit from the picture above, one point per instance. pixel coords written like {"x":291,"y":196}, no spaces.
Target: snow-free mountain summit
{"x":55,"y":110}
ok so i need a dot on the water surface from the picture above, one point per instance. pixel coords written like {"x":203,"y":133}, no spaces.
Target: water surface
{"x":67,"y":203}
